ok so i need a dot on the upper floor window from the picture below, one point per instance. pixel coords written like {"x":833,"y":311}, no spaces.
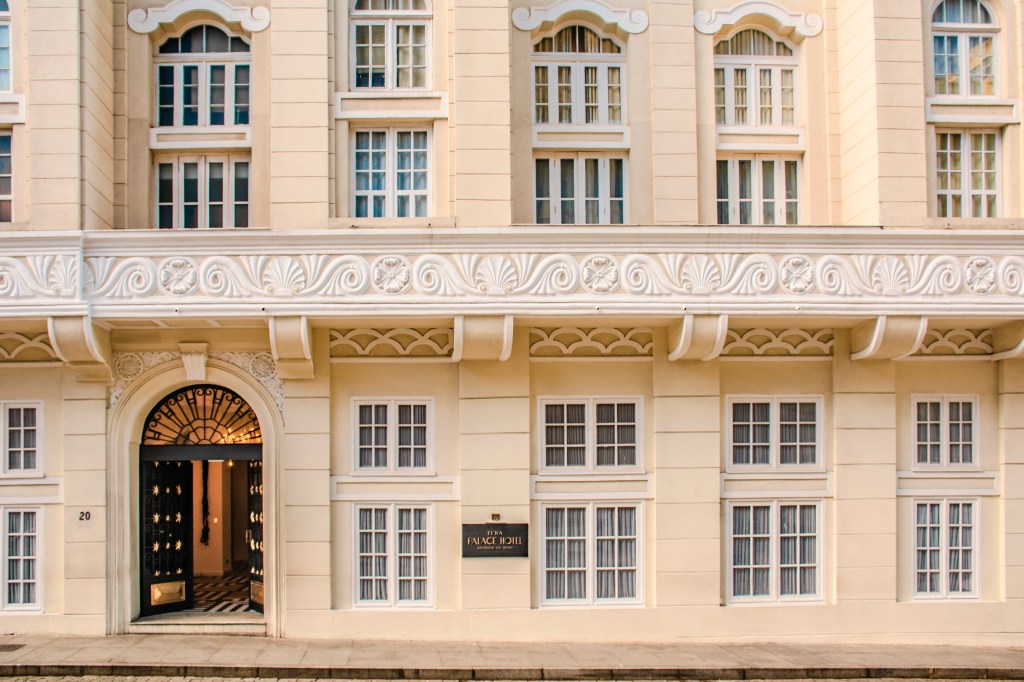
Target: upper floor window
{"x":391,"y":173}
{"x":390,"y":43}
{"x":580,"y":188}
{"x":774,"y":432}
{"x":6,"y":85}
{"x":963,"y":41}
{"x":967,"y":173}
{"x":6,"y":178}
{"x":578,"y":77}
{"x":393,"y":435}
{"x":944,"y":431}
{"x":21,"y":429}
{"x":758,"y":189}
{"x":202,"y":79}
{"x":202,"y":191}
{"x":590,"y":434}
{"x":755,"y":80}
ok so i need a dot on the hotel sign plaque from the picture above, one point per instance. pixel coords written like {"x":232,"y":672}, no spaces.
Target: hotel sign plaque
{"x":495,"y":540}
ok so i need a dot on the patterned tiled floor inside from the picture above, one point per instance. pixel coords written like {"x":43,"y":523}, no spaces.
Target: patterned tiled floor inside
{"x":225,"y":594}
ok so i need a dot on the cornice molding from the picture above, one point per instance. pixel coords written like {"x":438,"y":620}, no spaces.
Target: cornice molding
{"x":252,"y":19}
{"x":629,"y":20}
{"x":803,"y":25}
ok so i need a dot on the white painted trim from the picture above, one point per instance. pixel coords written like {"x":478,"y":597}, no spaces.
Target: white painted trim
{"x":590,"y":467}
{"x":630,"y":21}
{"x":375,"y":492}
{"x":216,"y":138}
{"x":944,"y":498}
{"x":40,"y":556}
{"x":392,"y":602}
{"x":774,"y":469}
{"x":13,"y":98}
{"x":583,"y":479}
{"x":36,"y":473}
{"x":803,"y":25}
{"x":944,"y":399}
{"x":252,"y":19}
{"x":392,"y":471}
{"x":946,"y":492}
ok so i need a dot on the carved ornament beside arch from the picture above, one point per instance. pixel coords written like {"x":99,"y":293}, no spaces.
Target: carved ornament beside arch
{"x":628,"y":20}
{"x":793,"y":24}
{"x":252,"y":19}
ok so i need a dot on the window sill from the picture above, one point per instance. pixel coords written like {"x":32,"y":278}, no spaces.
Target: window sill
{"x":372,"y":105}
{"x":580,"y":136}
{"x":760,"y":139}
{"x":12,"y":108}
{"x":201,"y":137}
{"x":439,"y":222}
{"x":394,"y":488}
{"x":629,"y":486}
{"x":959,"y":110}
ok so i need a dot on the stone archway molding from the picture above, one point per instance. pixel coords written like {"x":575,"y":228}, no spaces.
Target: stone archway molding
{"x":801,"y":25}
{"x":252,"y":19}
{"x":629,"y":20}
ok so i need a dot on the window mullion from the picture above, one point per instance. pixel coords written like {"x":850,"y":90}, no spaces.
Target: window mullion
{"x":591,"y":553}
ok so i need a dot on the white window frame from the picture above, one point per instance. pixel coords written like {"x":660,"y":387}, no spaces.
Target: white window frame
{"x":775,"y":575}
{"x":944,"y":593}
{"x":580,"y":199}
{"x":591,"y":556}
{"x":966,"y":193}
{"x":5,"y":470}
{"x":757,"y":199}
{"x":590,"y":456}
{"x":963,"y":32}
{"x":577,"y":66}
{"x":774,"y":448}
{"x":392,"y":467}
{"x":753,"y":65}
{"x":7,"y":23}
{"x":390,"y":192}
{"x":944,"y":464}
{"x":36,"y":606}
{"x":203,"y":161}
{"x":393,"y":602}
{"x":391,"y":20}
{"x":8,"y":198}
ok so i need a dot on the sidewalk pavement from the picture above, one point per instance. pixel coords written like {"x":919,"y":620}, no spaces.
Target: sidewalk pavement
{"x":236,"y":656}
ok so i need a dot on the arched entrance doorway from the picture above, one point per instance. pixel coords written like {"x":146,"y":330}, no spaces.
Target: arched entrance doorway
{"x":194,"y":435}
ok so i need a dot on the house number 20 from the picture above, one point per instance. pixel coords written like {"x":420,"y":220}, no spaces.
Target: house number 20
{"x":84,"y":516}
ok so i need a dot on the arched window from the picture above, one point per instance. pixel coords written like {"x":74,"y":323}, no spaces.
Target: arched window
{"x":755,"y":80}
{"x":390,"y":44}
{"x":578,"y":78}
{"x":963,"y":42}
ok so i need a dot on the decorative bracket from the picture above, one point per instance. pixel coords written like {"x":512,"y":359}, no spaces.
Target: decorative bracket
{"x":483,"y":337}
{"x":698,"y":337}
{"x":290,"y":346}
{"x":629,"y":20}
{"x":1008,"y":341}
{"x":193,"y":356}
{"x":889,"y":337}
{"x":252,"y":19}
{"x":82,"y":345}
{"x":802,"y":25}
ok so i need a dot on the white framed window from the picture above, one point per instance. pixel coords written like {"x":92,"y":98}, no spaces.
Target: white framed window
{"x":580,"y":188}
{"x":945,"y":431}
{"x":767,"y":432}
{"x":590,"y":434}
{"x":394,"y":555}
{"x":964,"y":48}
{"x":967,"y":173}
{"x":202,"y":191}
{"x":758,"y":190}
{"x":6,"y":178}
{"x":774,"y":549}
{"x":578,"y":78}
{"x":6,"y":79}
{"x":945,"y":540}
{"x":203,"y":79}
{"x":394,"y":435}
{"x":22,"y":428}
{"x":391,"y":169}
{"x":390,"y":44}
{"x":755,"y":81}
{"x":592,"y":554}
{"x":21,"y":559}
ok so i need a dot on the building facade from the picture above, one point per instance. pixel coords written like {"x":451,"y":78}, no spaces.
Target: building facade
{"x":712,"y":311}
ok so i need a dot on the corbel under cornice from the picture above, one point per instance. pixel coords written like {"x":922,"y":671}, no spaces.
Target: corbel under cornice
{"x":483,"y":337}
{"x":290,"y":346}
{"x":252,"y":19}
{"x":1008,"y":341}
{"x":802,"y":25}
{"x":888,"y":337}
{"x":698,"y":337}
{"x":82,"y":345}
{"x":629,"y":20}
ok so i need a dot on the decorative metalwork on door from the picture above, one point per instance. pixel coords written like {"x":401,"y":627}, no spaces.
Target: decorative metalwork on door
{"x":255,"y":533}
{"x":202,"y":415}
{"x":166,"y":508}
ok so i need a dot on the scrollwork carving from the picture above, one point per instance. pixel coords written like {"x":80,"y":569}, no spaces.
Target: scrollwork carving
{"x":402,"y":342}
{"x":950,"y":342}
{"x":600,"y":341}
{"x":762,"y":341}
{"x":15,"y":347}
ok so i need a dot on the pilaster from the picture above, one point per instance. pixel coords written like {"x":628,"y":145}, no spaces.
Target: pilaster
{"x":1011,"y":447}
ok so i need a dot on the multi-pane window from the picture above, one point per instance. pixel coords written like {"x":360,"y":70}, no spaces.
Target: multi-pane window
{"x":944,"y":431}
{"x":6,"y":178}
{"x":774,"y":432}
{"x":6,"y":82}
{"x":945,"y":539}
{"x":203,"y":79}
{"x":393,"y":555}
{"x":591,"y":553}
{"x":393,"y":435}
{"x":774,"y":551}
{"x":755,"y":81}
{"x":590,"y":433}
{"x":578,"y":78}
{"x":580,"y":188}
{"x":964,"y":48}
{"x":21,"y":438}
{"x":390,"y":44}
{"x":202,"y":192}
{"x":967,"y":174}
{"x":758,"y":190}
{"x":391,"y":173}
{"x":21,"y":559}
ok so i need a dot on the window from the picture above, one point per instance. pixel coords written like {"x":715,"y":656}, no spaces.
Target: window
{"x":392,"y":173}
{"x":393,"y":556}
{"x":6,"y":178}
{"x":22,"y":430}
{"x":6,"y":82}
{"x":21,"y":560}
{"x":963,"y":45}
{"x":390,"y":44}
{"x":591,"y":554}
{"x":967,"y":181}
{"x":202,"y":79}
{"x":202,"y":192}
{"x":590,"y":433}
{"x":393,"y":435}
{"x":578,"y":78}
{"x":944,"y":431}
{"x":755,"y":81}
{"x":774,"y":551}
{"x":580,"y":188}
{"x":945,"y":538}
{"x":758,"y":190}
{"x":773,"y":432}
